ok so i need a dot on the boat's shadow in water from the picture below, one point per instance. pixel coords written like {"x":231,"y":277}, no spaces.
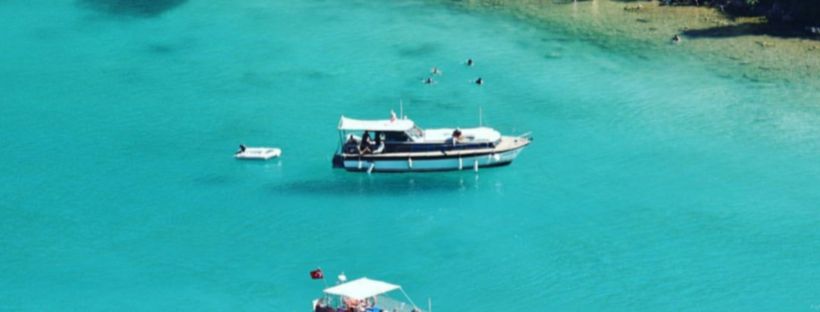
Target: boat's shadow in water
{"x":133,"y":8}
{"x":381,"y":185}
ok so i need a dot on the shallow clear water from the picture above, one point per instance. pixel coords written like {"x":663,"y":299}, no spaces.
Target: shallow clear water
{"x":653,"y":183}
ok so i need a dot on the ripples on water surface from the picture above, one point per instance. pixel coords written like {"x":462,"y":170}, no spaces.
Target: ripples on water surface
{"x":653,"y":183}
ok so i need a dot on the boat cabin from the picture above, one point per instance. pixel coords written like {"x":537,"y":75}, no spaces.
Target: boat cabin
{"x":403,"y":136}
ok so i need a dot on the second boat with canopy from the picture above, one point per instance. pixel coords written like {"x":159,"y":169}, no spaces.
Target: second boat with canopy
{"x":363,"y":294}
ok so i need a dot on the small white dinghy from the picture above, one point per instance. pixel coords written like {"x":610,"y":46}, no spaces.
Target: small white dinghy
{"x":262,"y":153}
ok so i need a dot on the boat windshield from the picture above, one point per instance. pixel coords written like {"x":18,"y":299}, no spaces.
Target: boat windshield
{"x":394,"y":136}
{"x":416,"y":133}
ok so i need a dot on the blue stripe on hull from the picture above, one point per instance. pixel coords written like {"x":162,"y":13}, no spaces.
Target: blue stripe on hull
{"x":425,"y":165}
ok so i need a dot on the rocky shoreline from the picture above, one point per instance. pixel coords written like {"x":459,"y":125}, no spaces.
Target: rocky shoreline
{"x":747,"y":47}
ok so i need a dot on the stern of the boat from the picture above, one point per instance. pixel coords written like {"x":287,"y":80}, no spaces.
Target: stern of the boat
{"x":338,"y":161}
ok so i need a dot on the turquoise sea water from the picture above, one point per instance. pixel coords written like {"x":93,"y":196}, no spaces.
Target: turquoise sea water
{"x":653,"y":183}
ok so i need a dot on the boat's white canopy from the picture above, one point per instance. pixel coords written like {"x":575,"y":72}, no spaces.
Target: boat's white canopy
{"x":361,"y":288}
{"x":350,"y":124}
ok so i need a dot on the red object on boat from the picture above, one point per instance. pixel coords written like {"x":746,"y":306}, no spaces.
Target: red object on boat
{"x":317,"y":274}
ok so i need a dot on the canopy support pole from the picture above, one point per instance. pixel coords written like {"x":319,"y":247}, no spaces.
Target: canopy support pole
{"x":408,"y":298}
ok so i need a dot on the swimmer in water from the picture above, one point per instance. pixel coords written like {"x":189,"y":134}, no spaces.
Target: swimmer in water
{"x":676,"y":39}
{"x":469,"y":62}
{"x":479,"y":81}
{"x":429,"y":80}
{"x":435,"y":71}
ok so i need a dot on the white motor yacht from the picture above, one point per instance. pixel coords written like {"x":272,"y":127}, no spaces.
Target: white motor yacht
{"x":398,"y":145}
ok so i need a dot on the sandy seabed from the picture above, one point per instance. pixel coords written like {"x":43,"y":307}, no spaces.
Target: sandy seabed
{"x":743,"y":47}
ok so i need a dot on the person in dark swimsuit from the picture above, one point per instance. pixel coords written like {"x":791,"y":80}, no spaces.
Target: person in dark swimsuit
{"x":364,"y":146}
{"x":676,"y":39}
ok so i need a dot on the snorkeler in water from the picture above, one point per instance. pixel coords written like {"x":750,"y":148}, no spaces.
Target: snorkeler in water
{"x":676,"y":39}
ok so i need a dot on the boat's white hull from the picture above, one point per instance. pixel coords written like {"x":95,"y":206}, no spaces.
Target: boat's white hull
{"x":443,"y":163}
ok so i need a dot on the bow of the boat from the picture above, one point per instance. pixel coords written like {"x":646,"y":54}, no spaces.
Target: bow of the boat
{"x":509,"y":143}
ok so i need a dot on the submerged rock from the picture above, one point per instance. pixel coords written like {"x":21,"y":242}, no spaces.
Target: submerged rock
{"x":764,"y":44}
{"x":633,"y":8}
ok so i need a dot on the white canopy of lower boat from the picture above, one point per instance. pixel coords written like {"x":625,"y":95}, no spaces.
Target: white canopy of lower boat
{"x":361,"y":288}
{"x":364,"y":294}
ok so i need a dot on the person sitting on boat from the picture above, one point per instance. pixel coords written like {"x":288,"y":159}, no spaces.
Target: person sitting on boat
{"x":379,"y":143}
{"x":351,"y":140}
{"x":242,"y":149}
{"x":322,"y":306}
{"x":369,"y":305}
{"x":364,"y":146}
{"x":351,"y":304}
{"x":351,"y":145}
{"x":455,"y":138}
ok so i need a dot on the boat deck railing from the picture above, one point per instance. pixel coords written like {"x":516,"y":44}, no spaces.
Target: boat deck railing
{"x":388,"y":304}
{"x":505,"y":144}
{"x":383,"y":304}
